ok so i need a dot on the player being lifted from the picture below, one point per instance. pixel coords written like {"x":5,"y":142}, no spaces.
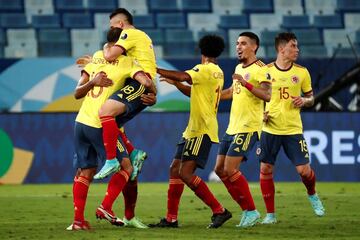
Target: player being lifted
{"x":137,"y":44}
{"x":192,"y":152}
{"x":251,"y":87}
{"x":291,"y":84}
{"x":99,"y":80}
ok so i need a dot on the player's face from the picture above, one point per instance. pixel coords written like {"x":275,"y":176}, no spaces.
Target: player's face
{"x":116,"y":22}
{"x":291,"y":50}
{"x":245,"y":48}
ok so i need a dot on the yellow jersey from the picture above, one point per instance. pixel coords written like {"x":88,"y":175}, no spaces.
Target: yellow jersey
{"x":118,"y":71}
{"x":285,"y":118}
{"x":207,"y":83}
{"x":138,"y":45}
{"x":246,"y":112}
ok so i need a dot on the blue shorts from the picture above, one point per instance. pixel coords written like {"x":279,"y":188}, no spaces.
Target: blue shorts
{"x":294,"y":146}
{"x":194,"y":149}
{"x":89,"y":147}
{"x":130,"y":96}
{"x":238,"y":145}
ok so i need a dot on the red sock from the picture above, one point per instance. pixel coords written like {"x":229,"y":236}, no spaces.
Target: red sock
{"x":268,"y":192}
{"x":115,"y":186}
{"x":309,"y":183}
{"x":80,"y":191}
{"x":130,"y":193}
{"x":202,"y":191}
{"x":128,"y":145}
{"x":234,"y":193}
{"x":242,"y":187}
{"x":110,"y":135}
{"x":176,"y":188}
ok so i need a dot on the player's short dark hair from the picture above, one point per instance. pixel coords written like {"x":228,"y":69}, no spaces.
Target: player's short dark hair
{"x":252,"y":36}
{"x":113,"y":35}
{"x":123,"y":11}
{"x":284,"y":38}
{"x":211,"y":45}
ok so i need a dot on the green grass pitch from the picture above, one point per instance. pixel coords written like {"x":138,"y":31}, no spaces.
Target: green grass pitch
{"x":44,"y":211}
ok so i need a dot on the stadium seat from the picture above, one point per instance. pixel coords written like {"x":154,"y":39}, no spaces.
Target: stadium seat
{"x":144,"y":21}
{"x":271,"y":52}
{"x":13,"y":6}
{"x":320,"y":7}
{"x":308,"y":36}
{"x":351,"y":21}
{"x":203,"y":21}
{"x":196,"y":6}
{"x":46,"y":21}
{"x":334,"y":37}
{"x":328,"y":21}
{"x":21,"y":43}
{"x":299,"y":21}
{"x":102,"y":21}
{"x":264,"y":21}
{"x":2,"y":37}
{"x":156,"y":35}
{"x":257,"y":6}
{"x":171,"y":20}
{"x":77,"y":20}
{"x":38,"y":7}
{"x":181,"y":50}
{"x":348,"y":5}
{"x":286,"y":7}
{"x":135,"y":6}
{"x":25,"y":51}
{"x":347,"y":52}
{"x":179,"y":35}
{"x":313,"y":51}
{"x":163,"y":6}
{"x":234,"y":21}
{"x":267,"y":38}
{"x":54,"y":43}
{"x":13,"y":20}
{"x":102,"y":6}
{"x":62,"y":6}
{"x":225,"y":7}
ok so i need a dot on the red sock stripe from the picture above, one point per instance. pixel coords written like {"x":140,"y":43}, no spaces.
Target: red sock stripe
{"x":106,"y":118}
{"x":195,"y":181}
{"x":235,"y":176}
{"x":262,"y":173}
{"x":83,"y":180}
{"x":125,"y":174}
{"x":175,"y":181}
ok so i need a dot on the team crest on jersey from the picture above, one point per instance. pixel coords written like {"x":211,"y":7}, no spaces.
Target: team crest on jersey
{"x":247,"y":76}
{"x":295,"y":79}
{"x":258,"y":151}
{"x":124,"y":36}
{"x":195,"y":69}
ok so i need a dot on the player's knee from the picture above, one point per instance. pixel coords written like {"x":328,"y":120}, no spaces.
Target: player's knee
{"x":230,"y":171}
{"x":219,"y":170}
{"x":186,"y":177}
{"x":304,"y":170}
{"x":87,"y":173}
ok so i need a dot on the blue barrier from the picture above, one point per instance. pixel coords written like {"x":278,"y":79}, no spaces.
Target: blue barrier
{"x":333,"y":140}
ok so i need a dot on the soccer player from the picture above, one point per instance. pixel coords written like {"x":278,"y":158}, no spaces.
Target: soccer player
{"x":291,"y":84}
{"x":137,"y":44}
{"x":99,"y":80}
{"x":206,"y":81}
{"x":251,"y":87}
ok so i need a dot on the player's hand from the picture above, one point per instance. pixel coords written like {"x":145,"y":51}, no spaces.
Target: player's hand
{"x":298,"y":101}
{"x":266,"y":117}
{"x":239,"y":78}
{"x":101,"y":80}
{"x":170,"y":81}
{"x":83,"y":60}
{"x":148,"y":99}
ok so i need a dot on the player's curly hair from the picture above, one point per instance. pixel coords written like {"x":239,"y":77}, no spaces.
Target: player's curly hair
{"x":113,"y":35}
{"x":123,"y":11}
{"x":211,"y":45}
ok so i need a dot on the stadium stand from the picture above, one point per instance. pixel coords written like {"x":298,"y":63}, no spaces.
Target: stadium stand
{"x":319,"y":24}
